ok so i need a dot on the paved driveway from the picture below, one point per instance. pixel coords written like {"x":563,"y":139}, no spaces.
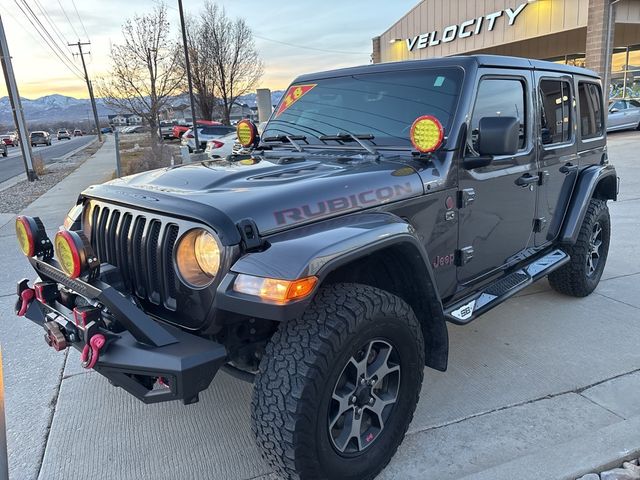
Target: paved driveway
{"x":518,"y":381}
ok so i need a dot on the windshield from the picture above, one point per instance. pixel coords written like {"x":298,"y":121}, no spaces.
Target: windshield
{"x":380,"y":104}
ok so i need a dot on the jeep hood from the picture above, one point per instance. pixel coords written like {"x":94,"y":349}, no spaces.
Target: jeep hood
{"x":276,"y":195}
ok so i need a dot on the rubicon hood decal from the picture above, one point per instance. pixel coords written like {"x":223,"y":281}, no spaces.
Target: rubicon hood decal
{"x":334,"y":205}
{"x":276,"y":196}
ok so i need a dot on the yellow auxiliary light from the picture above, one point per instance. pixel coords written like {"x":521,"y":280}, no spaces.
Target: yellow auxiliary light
{"x":32,"y":237}
{"x":75,"y":255}
{"x":247,"y":133}
{"x":426,"y":133}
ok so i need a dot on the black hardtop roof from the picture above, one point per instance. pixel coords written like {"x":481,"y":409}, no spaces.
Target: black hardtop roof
{"x":461,"y":60}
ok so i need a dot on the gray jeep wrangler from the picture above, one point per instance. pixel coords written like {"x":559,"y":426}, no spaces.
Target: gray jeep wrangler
{"x":379,"y":203}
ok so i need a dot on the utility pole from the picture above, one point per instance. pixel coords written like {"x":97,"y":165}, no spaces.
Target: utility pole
{"x":16,"y":105}
{"x":89,"y":87}
{"x":189,"y":82}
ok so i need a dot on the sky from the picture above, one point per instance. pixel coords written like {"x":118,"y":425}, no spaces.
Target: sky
{"x":292,"y":37}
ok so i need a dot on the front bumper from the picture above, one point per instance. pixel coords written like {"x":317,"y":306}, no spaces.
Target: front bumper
{"x":152,"y":361}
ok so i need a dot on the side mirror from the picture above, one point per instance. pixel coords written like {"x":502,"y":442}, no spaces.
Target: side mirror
{"x":498,"y":136}
{"x":614,"y":110}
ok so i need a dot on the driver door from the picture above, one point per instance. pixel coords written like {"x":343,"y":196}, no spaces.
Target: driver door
{"x":497,"y":225}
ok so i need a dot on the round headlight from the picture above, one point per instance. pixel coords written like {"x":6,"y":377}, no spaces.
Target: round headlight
{"x":198,"y":257}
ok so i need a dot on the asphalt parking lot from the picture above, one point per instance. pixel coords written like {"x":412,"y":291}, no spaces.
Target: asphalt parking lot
{"x":537,"y":371}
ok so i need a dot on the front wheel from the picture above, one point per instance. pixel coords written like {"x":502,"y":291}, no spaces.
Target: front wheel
{"x":337,"y":388}
{"x":581,"y":275}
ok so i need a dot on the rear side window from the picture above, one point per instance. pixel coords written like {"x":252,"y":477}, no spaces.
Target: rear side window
{"x":499,"y":97}
{"x":555,"y":111}
{"x":591,"y":119}
{"x":221,"y":130}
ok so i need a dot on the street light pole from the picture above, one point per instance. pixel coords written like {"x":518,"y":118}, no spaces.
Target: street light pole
{"x":189,"y":82}
{"x":16,"y":105}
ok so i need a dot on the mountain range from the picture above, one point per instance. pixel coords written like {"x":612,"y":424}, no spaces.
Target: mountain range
{"x":57,"y":107}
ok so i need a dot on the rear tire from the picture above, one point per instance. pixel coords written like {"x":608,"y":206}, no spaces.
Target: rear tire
{"x":581,"y":275}
{"x":353,"y":342}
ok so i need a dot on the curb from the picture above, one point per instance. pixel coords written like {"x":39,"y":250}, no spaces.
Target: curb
{"x":22,"y":176}
{"x":73,"y":152}
{"x":597,"y":451}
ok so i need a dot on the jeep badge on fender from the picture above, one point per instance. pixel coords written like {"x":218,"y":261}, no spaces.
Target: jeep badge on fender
{"x":378,"y":203}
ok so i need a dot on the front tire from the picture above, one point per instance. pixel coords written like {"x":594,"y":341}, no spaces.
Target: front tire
{"x":581,"y":275}
{"x":337,"y":388}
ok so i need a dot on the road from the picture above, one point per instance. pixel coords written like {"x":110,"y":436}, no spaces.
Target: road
{"x":13,"y":164}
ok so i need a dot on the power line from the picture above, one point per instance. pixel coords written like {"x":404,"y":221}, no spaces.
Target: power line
{"x":79,"y":18}
{"x":52,"y":43}
{"x":306,"y":47}
{"x":55,"y":28}
{"x":67,"y":17}
{"x":53,"y":46}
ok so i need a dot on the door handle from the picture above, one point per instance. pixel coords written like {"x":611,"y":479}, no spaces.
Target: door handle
{"x":526,"y":180}
{"x":568,"y":168}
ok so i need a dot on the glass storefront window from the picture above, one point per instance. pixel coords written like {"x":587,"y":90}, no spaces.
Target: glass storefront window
{"x":625,"y":73}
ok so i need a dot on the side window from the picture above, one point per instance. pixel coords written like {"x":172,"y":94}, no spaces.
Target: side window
{"x":633,"y":103}
{"x":591,"y":118}
{"x":499,"y":98}
{"x":619,"y":105}
{"x":555,"y":111}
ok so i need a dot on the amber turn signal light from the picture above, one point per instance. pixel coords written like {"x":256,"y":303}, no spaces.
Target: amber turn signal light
{"x":273,"y":289}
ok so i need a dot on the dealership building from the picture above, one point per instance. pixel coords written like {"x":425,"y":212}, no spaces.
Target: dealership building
{"x":576,"y":32}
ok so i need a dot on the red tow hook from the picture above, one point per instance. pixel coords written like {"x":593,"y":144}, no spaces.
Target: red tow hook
{"x":91,"y":351}
{"x":26,"y":296}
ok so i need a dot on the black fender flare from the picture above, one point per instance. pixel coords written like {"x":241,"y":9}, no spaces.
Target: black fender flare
{"x":323,"y":247}
{"x":599,"y":181}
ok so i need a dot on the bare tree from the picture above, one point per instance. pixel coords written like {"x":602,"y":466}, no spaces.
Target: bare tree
{"x":203,"y":71}
{"x":225,"y":62}
{"x":145,"y":69}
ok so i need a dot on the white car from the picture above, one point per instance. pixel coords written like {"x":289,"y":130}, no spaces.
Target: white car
{"x":205,"y":133}
{"x":221,"y":147}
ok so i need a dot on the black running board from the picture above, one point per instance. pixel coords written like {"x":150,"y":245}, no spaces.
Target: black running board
{"x":471,"y":307}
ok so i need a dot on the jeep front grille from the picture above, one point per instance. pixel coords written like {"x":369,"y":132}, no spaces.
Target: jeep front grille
{"x":141,"y":246}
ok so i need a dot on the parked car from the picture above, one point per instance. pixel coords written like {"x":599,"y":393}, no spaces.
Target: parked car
{"x":165,"y":130}
{"x":64,"y":133}
{"x":205,"y":133}
{"x":106,"y":130}
{"x":179,"y":130}
{"x":134,"y":129}
{"x":221,"y":147}
{"x":39,"y":138}
{"x":380,"y":203}
{"x":77,"y":132}
{"x":623,"y":115}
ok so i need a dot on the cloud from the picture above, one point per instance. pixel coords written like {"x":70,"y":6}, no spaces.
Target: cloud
{"x":331,"y":25}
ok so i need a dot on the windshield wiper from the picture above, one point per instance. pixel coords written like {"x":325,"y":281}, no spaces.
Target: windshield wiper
{"x":348,"y":137}
{"x":292,"y":139}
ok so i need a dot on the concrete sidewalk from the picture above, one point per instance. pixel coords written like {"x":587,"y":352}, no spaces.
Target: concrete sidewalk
{"x":530,"y":386}
{"x":33,"y":373}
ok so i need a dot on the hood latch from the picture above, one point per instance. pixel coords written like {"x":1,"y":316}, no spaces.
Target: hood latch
{"x":249,"y":233}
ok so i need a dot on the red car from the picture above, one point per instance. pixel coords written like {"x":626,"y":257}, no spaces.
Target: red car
{"x":10,"y":139}
{"x":179,"y":130}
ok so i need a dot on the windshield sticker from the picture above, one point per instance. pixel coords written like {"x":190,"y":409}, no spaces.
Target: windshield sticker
{"x":295,"y":93}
